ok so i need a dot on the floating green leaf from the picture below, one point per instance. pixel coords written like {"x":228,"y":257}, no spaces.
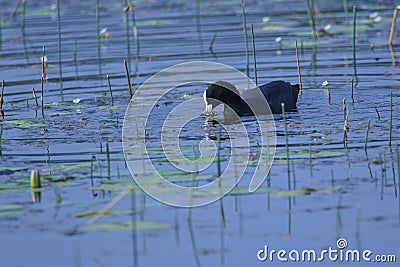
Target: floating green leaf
{"x":24,"y":124}
{"x":11,"y":210}
{"x":305,"y":154}
{"x":306,"y":191}
{"x":108,"y":213}
{"x":126,"y":226}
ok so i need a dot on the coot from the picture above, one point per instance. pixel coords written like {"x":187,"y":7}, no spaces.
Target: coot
{"x":275,"y":93}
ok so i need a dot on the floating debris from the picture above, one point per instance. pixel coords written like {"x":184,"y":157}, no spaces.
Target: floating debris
{"x":266,"y":19}
{"x":104,"y":34}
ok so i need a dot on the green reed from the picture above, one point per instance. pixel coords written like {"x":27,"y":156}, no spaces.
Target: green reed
{"x":198,"y":25}
{"x":352,"y":88}
{"x":109,"y":87}
{"x":218,"y":152}
{"x":59,"y":44}
{"x":108,"y":161}
{"x":298,"y":68}
{"x":398,"y":172}
{"x":366,"y":135}
{"x":354,"y":41}
{"x":246,"y":41}
{"x":135,"y":30}
{"x":129,"y":79}
{"x":286,"y":144}
{"x":311,"y":17}
{"x":345,"y":125}
{"x":391,"y":119}
{"x":221,"y":204}
{"x":346,"y":11}
{"x":339,"y":221}
{"x":2,"y":95}
{"x":1,"y":140}
{"x":35,"y":97}
{"x":1,"y":36}
{"x":42,"y":98}
{"x":310,"y":159}
{"x":44,"y":71}
{"x":212,"y":43}
{"x":75,"y":56}
{"x":254,"y":54}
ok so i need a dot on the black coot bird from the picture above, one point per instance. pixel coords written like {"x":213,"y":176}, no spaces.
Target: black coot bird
{"x":275,"y":93}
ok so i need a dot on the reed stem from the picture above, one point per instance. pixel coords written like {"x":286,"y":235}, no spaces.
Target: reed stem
{"x":1,"y":140}
{"x":311,"y":16}
{"x":354,"y":40}
{"x":75,"y":56}
{"x":44,"y":64}
{"x":345,"y":125}
{"x":246,"y":41}
{"x":42,"y":98}
{"x":218,"y":153}
{"x":135,"y":31}
{"x":396,"y":10}
{"x":129,"y":79}
{"x":221,"y":204}
{"x":254,"y":53}
{"x":391,"y":119}
{"x":212,"y":43}
{"x":352,"y":88}
{"x":298,"y":68}
{"x":346,"y":11}
{"x":2,"y":95}
{"x":59,"y":44}
{"x":287,"y":144}
{"x":108,"y":161}
{"x":1,"y":37}
{"x":34,"y":97}
{"x":109,"y":87}
{"x":366,"y":135}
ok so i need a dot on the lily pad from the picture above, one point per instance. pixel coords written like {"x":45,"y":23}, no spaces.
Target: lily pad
{"x":11,"y":210}
{"x":306,"y":191}
{"x":24,"y":124}
{"x":67,"y":168}
{"x":108,"y":213}
{"x":305,"y":154}
{"x":126,"y":226}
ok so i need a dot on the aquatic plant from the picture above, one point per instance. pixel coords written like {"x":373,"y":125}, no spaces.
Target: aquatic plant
{"x":110,"y":89}
{"x":345,"y":125}
{"x":212,"y":43}
{"x":108,"y":161}
{"x":311,"y":16}
{"x":44,"y":64}
{"x":2,"y":95}
{"x":129,"y":79}
{"x":34,"y":97}
{"x":354,"y":41}
{"x":59,"y":44}
{"x":298,"y":68}
{"x":254,"y":54}
{"x":42,"y":98}
{"x":366,"y":135}
{"x":35,"y":179}
{"x":246,"y":42}
{"x":391,"y":119}
{"x":396,"y":10}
